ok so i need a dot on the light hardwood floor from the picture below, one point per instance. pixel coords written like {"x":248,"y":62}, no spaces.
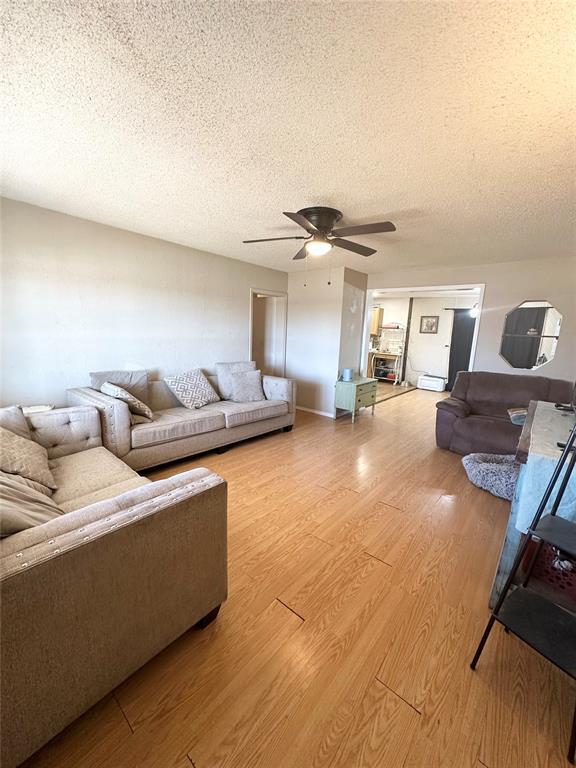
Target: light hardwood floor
{"x":360,"y":562}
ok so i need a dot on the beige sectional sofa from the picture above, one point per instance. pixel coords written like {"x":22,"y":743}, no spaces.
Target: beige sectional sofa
{"x":91,"y":595}
{"x":177,"y":432}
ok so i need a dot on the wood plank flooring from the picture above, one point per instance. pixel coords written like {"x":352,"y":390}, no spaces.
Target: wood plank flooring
{"x":360,"y":561}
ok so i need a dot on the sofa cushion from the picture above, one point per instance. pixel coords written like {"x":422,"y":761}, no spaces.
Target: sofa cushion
{"x":82,"y":474}
{"x":136,"y":406}
{"x":485,"y":434}
{"x":136,"y":382}
{"x":247,"y":387}
{"x":13,"y":419}
{"x":246,"y":413}
{"x":224,"y":371}
{"x":192,"y":388}
{"x":20,"y":456}
{"x":22,"y":507}
{"x":176,"y":423}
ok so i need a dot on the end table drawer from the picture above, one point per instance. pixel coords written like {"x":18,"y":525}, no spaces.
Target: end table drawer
{"x":366,"y":389}
{"x":366,"y":399}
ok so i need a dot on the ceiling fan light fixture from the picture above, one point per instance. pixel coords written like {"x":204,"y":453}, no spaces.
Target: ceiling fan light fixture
{"x":318,"y":247}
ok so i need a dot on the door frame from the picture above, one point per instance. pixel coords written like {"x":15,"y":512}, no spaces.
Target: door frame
{"x":414,"y":291}
{"x":274,"y":295}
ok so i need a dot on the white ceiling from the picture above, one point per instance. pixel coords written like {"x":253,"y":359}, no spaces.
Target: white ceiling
{"x":200,"y":122}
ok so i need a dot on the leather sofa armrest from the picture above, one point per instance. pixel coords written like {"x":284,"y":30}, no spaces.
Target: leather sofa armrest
{"x":114,"y":417}
{"x":453,"y":405}
{"x":279,"y":388}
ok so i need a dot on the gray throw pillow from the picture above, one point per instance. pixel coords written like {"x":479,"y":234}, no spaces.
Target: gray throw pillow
{"x":247,"y":387}
{"x":19,"y":456}
{"x":22,"y":507}
{"x":135,"y":382}
{"x":135,"y":405}
{"x":13,"y":419}
{"x":224,"y":372}
{"x":192,"y":388}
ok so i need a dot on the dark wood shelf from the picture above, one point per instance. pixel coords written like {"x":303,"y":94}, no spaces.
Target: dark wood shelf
{"x":542,"y":625}
{"x":559,"y":532}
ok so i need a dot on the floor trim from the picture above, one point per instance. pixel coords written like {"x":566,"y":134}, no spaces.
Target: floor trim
{"x":318,"y":413}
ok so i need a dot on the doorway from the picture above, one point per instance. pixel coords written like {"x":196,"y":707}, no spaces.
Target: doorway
{"x":416,"y":328}
{"x":460,"y":344}
{"x":268,"y":320}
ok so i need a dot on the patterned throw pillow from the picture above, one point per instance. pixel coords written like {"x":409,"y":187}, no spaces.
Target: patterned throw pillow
{"x":136,"y":406}
{"x":20,"y":456}
{"x":224,"y":372}
{"x":247,"y":387}
{"x":192,"y":388}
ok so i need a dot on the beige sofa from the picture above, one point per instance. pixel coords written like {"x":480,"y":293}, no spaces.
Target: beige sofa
{"x":88,"y":597}
{"x":177,"y":432}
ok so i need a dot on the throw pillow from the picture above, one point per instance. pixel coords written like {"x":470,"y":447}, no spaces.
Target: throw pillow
{"x":19,"y":456}
{"x":22,"y":507}
{"x":224,"y":372}
{"x":134,"y":404}
{"x":13,"y":419}
{"x":192,"y":388}
{"x":247,"y":387}
{"x":135,"y":382}
{"x":518,"y":415}
{"x":29,"y":483}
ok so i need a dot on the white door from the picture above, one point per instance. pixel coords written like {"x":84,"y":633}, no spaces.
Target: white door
{"x":268,"y":332}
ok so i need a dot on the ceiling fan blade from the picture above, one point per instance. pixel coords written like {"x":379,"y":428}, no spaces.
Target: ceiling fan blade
{"x":270,"y":239}
{"x":354,"y":247}
{"x":301,"y":254}
{"x":366,"y":229}
{"x":302,"y":221}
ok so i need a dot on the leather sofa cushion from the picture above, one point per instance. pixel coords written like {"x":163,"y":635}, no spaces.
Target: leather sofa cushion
{"x":237,"y":414}
{"x":491,"y":394}
{"x":485,"y":434}
{"x":176,"y":423}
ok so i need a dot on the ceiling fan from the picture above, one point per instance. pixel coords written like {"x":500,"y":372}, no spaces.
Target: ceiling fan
{"x":322,"y":237}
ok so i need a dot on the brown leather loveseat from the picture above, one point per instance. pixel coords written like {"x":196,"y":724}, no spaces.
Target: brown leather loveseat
{"x":474,"y":419}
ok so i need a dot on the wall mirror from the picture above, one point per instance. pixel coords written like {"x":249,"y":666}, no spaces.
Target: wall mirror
{"x":530,"y":335}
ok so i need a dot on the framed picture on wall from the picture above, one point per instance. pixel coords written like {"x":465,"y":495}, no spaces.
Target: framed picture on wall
{"x":429,"y":323}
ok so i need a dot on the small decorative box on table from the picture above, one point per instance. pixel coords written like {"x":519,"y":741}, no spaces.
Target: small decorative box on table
{"x":356,"y":394}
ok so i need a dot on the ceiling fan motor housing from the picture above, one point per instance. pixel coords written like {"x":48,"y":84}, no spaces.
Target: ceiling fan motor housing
{"x":324,"y":219}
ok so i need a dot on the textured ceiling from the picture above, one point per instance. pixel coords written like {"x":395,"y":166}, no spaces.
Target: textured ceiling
{"x":199,"y":122}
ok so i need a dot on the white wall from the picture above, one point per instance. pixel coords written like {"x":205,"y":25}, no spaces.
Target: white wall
{"x":395,"y":310}
{"x":352,"y":319}
{"x":507,"y":285}
{"x":325,"y":328}
{"x":313,"y":348}
{"x":430,"y":352}
{"x":79,"y":296}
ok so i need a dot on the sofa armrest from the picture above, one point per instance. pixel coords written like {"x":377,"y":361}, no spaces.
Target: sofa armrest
{"x":113,"y":597}
{"x":452,"y":405}
{"x":114,"y":416}
{"x":66,"y":430}
{"x":279,"y":388}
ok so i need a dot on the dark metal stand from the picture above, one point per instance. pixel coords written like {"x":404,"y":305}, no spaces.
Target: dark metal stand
{"x":546,"y":627}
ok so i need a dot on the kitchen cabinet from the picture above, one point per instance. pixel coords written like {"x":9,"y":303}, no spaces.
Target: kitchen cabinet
{"x":376,"y":321}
